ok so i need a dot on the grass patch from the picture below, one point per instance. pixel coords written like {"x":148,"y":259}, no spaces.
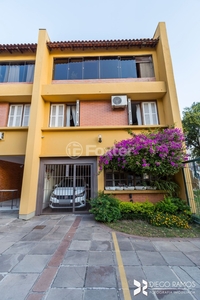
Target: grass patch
{"x":142,"y":228}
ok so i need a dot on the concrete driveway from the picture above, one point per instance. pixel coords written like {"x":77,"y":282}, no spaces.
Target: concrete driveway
{"x":72,"y":257}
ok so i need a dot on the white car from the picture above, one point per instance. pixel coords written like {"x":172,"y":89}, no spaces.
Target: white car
{"x":64,"y":193}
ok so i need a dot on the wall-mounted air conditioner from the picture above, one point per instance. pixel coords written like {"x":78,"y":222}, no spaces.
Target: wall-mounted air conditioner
{"x":1,"y":135}
{"x":119,"y":101}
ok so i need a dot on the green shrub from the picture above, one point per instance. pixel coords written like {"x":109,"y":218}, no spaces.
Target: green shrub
{"x":105,"y":208}
{"x":159,"y":218}
{"x":170,"y":212}
{"x":181,"y":204}
{"x":166,"y":206}
{"x":136,"y":210}
{"x":173,"y":206}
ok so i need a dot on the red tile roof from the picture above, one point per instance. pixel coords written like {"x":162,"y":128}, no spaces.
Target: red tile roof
{"x":18,"y":48}
{"x":103,"y":44}
{"x":72,"y":45}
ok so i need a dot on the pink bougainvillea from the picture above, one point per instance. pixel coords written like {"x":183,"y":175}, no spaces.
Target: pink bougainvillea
{"x":159,"y":153}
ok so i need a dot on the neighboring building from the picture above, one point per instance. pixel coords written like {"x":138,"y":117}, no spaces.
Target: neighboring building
{"x":58,"y":113}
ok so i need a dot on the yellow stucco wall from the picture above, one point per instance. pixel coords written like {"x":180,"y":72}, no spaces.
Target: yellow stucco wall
{"x":57,"y":142}
{"x":170,"y":100}
{"x":14,"y":142}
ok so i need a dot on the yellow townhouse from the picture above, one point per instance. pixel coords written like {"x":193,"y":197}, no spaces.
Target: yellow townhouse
{"x":63,"y":103}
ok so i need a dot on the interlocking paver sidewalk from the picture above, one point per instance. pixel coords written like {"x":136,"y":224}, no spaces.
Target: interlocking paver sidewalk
{"x":65,"y":256}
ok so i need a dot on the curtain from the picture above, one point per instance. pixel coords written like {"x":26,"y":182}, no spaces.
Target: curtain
{"x":13,"y":75}
{"x":30,"y":72}
{"x":138,"y":114}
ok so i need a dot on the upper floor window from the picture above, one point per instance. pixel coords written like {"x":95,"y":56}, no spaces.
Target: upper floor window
{"x":17,"y":72}
{"x":142,"y":113}
{"x":103,"y":67}
{"x":19,"y":115}
{"x":63,"y":115}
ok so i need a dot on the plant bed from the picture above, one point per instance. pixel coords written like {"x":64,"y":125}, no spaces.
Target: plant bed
{"x":143,"y":228}
{"x":170,"y":217}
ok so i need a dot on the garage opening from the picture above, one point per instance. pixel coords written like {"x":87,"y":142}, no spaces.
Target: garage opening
{"x":65,"y":187}
{"x":11,"y":175}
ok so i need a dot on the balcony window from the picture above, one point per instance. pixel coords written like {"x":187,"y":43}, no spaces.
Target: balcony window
{"x":103,"y":67}
{"x":75,"y":68}
{"x":60,"y":69}
{"x":17,"y":72}
{"x":128,"y":67}
{"x":142,"y":113}
{"x":64,"y":115}
{"x":19,"y":115}
{"x":91,"y":68}
{"x":109,"y":67}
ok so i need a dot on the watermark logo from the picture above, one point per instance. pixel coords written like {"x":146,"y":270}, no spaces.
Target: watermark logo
{"x":173,"y":284}
{"x":164,"y":287}
{"x":141,"y":288}
{"x":74,"y":150}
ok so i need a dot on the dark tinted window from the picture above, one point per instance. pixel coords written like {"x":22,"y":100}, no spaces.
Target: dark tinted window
{"x":2,"y":73}
{"x":109,"y":67}
{"x":91,"y":68}
{"x":128,"y":67}
{"x":60,"y":70}
{"x":103,"y":67}
{"x":75,"y":69}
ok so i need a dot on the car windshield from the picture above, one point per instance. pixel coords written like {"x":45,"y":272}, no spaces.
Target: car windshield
{"x":68,"y":182}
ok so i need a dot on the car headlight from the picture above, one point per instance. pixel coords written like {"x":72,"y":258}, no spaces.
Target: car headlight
{"x":80,"y":195}
{"x":53,"y":195}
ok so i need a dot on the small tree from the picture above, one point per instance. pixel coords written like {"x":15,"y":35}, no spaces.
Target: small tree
{"x":191,"y":127}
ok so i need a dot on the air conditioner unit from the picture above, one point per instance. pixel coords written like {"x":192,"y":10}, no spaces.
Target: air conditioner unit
{"x":1,"y":135}
{"x":119,"y":101}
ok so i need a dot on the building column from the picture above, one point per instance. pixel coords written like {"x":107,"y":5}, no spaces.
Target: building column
{"x":33,"y":147}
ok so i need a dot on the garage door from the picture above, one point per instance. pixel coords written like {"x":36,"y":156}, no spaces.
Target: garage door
{"x":66,"y":185}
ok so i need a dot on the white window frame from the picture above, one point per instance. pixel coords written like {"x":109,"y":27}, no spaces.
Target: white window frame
{"x":62,"y":120}
{"x":150,"y":113}
{"x":18,"y":115}
{"x":143,"y":119}
{"x":26,"y":115}
{"x":57,"y":119}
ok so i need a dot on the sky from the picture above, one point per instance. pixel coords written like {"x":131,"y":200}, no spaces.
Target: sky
{"x":64,"y":20}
